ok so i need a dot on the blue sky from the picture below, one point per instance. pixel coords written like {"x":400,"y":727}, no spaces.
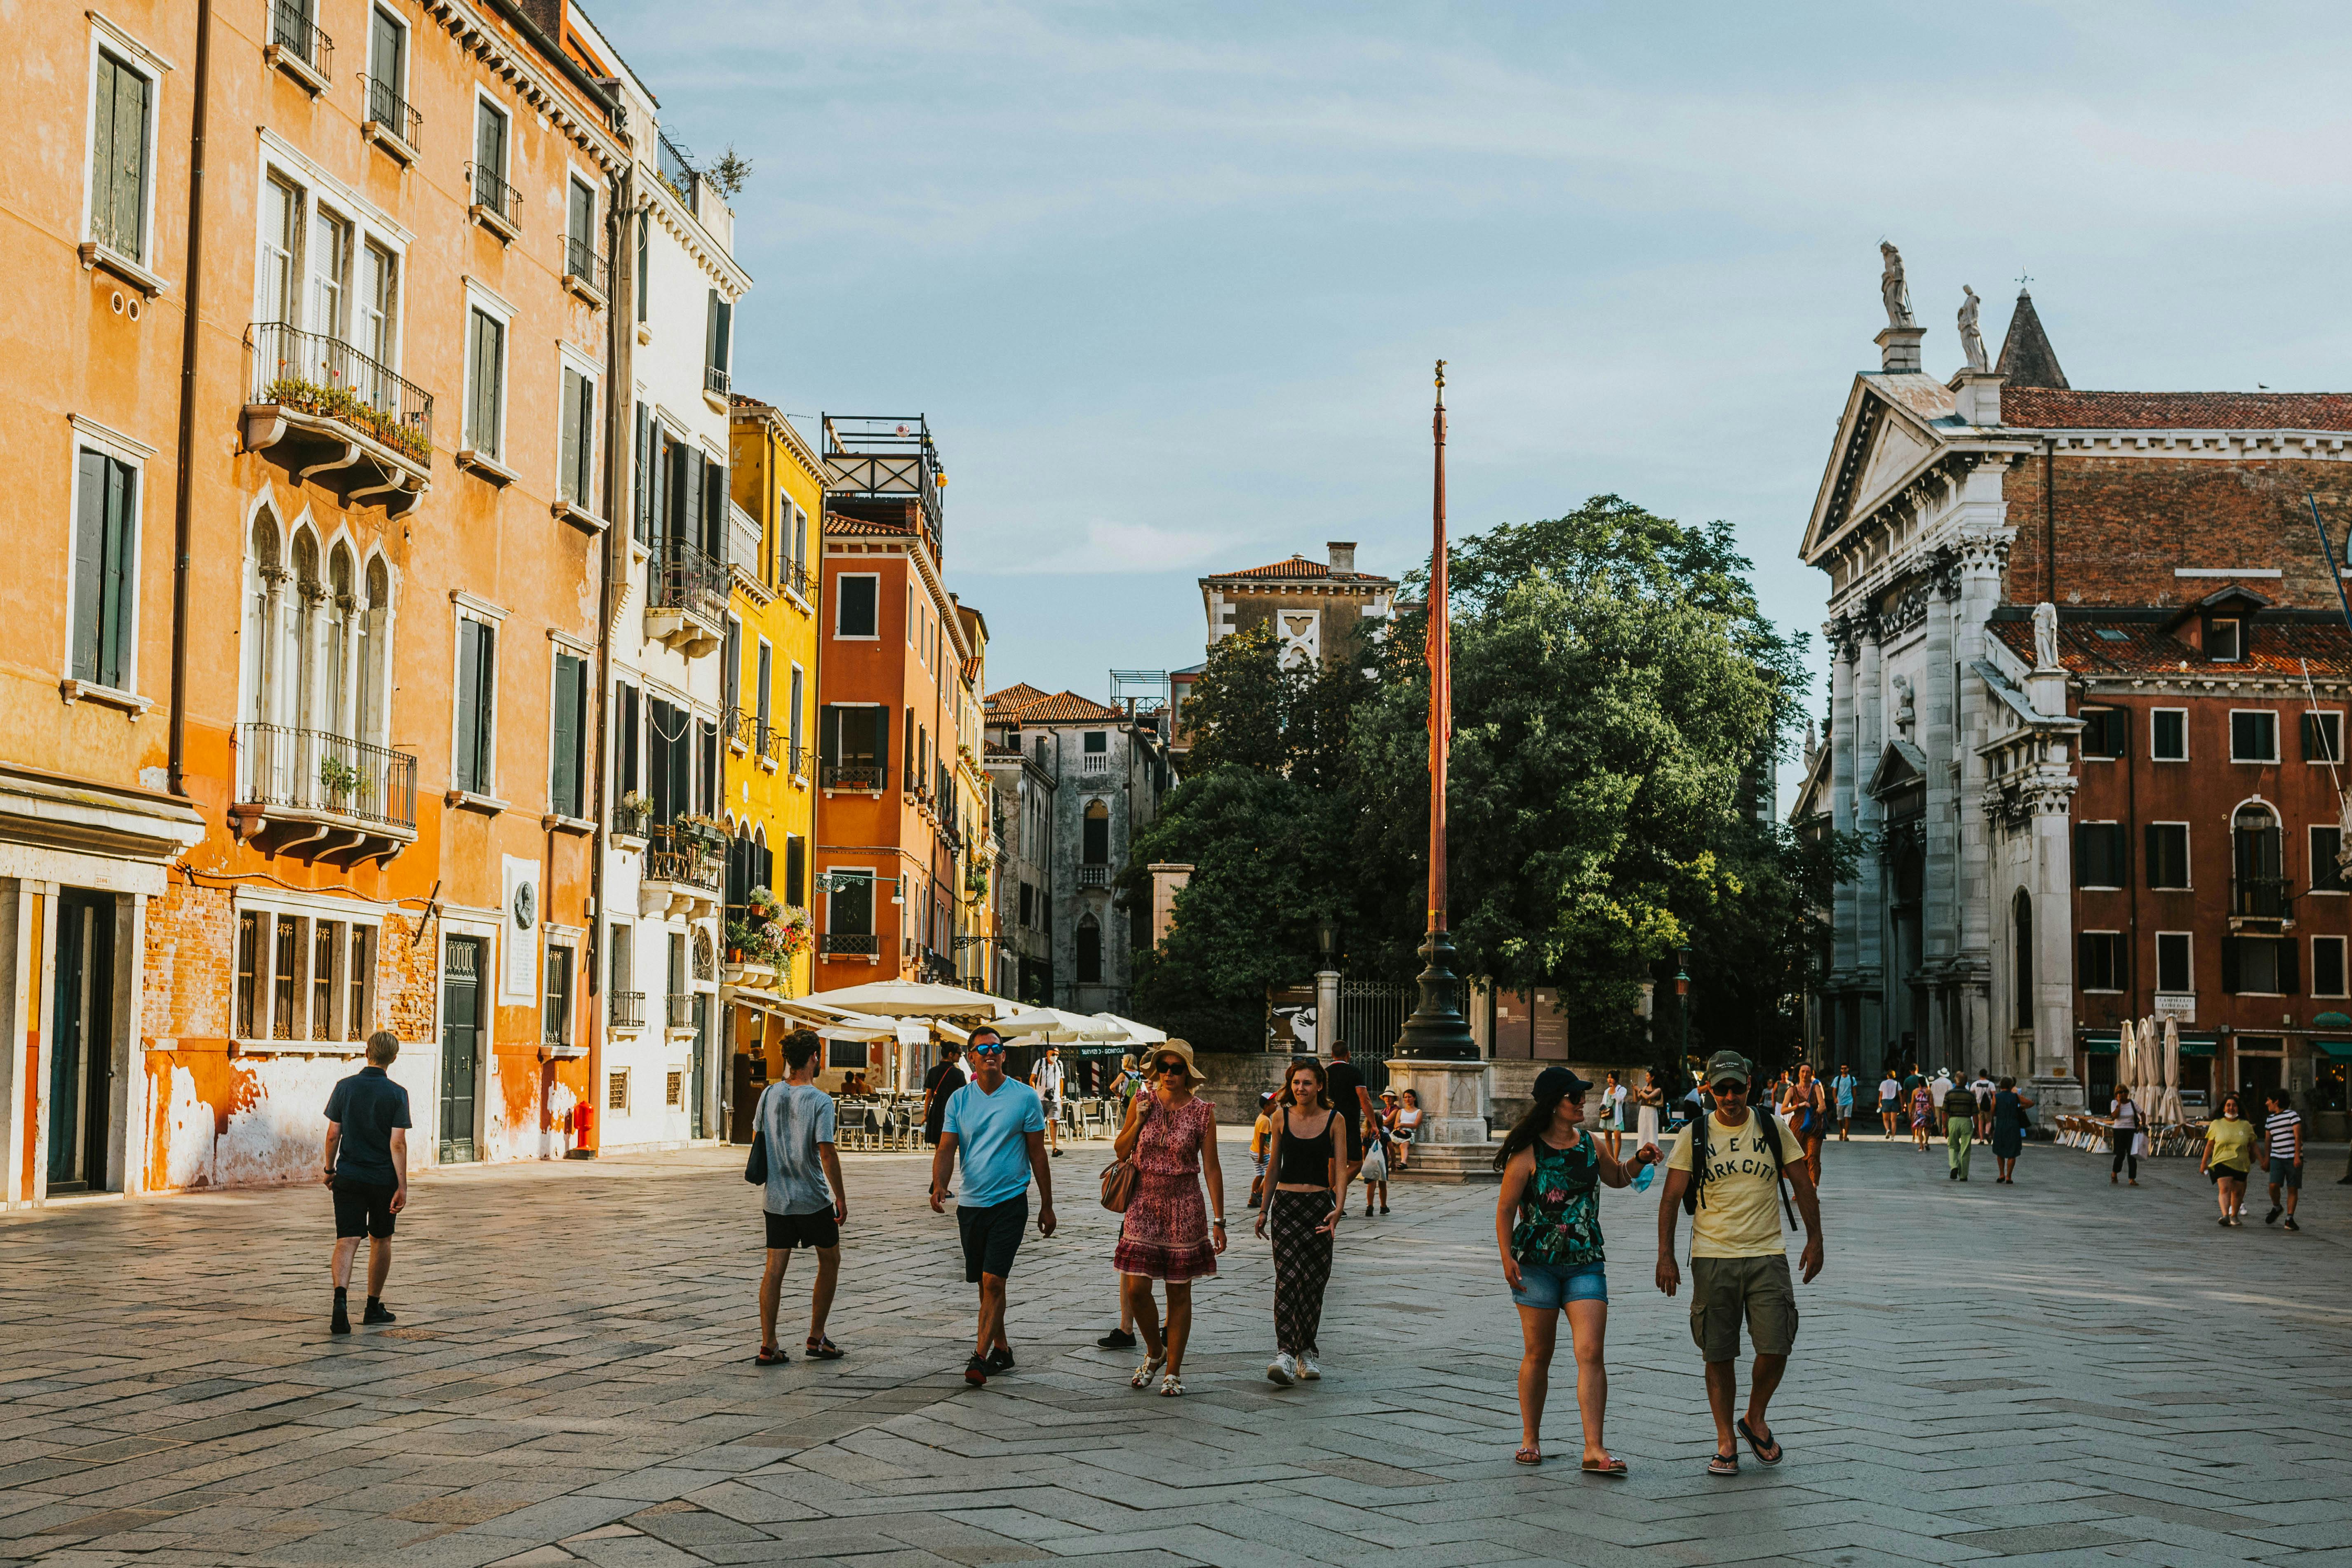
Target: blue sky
{"x":1168,"y":279}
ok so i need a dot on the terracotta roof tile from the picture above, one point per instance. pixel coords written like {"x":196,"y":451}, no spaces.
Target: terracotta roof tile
{"x":1300,"y":566}
{"x":2054,"y":408}
{"x":1065,"y":708}
{"x":864,"y":527}
{"x":1012,"y":699}
{"x":2096,"y":649}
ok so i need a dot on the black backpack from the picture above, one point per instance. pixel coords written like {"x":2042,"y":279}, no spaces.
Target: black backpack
{"x":1693,"y":1195}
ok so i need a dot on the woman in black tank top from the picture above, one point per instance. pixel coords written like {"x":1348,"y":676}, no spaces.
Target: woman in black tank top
{"x":1308,"y":1163}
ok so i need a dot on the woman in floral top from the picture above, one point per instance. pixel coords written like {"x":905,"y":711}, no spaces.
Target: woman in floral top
{"x":1548,"y":1227}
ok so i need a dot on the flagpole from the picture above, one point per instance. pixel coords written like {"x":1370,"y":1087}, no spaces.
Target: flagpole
{"x":1437,"y":1031}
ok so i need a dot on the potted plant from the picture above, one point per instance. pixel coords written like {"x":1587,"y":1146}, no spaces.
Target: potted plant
{"x":339,"y":779}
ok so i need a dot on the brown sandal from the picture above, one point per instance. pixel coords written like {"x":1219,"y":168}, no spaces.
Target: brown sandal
{"x":1611,"y":1465}
{"x":1529,"y":1456}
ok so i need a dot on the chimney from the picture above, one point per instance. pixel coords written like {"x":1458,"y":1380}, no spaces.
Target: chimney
{"x":1343,"y":555}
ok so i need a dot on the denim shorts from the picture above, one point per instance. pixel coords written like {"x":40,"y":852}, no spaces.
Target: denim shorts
{"x":1547,"y":1287}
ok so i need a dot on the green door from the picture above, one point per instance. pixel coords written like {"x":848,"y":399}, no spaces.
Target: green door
{"x":82,"y":1064}
{"x":461,"y":1045}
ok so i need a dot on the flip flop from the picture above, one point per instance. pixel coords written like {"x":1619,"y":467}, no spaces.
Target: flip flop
{"x":1724,"y":1464}
{"x":822,"y":1349}
{"x":1608,"y":1466}
{"x":1760,"y":1444}
{"x":1529,"y":1456}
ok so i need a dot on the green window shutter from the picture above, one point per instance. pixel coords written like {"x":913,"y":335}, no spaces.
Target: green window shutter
{"x":114,"y":575}
{"x":828,"y":736}
{"x":567,"y":459}
{"x":711,"y":330}
{"x":469,"y":702}
{"x":691,"y":503}
{"x":767,"y":670}
{"x":714,"y":512}
{"x":586,"y":483}
{"x":485,"y":690}
{"x":131,"y":163}
{"x":2289,"y":949}
{"x":89,"y":531}
{"x":2230,"y":964}
{"x":624,"y":704}
{"x":641,"y":475}
{"x":564,"y":741}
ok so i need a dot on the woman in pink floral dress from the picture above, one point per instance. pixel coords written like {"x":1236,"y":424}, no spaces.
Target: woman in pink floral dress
{"x":1171,"y":1135}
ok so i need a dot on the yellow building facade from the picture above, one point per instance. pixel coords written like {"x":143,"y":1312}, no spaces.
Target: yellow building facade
{"x":770,"y":691}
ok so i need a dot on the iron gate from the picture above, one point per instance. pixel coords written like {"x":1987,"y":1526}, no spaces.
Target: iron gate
{"x":1372,"y":1015}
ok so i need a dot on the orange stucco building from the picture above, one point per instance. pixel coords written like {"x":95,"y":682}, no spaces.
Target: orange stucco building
{"x":337,"y":772}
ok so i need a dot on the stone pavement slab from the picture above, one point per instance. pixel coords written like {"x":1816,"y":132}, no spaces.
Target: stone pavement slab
{"x":2060,"y":1373}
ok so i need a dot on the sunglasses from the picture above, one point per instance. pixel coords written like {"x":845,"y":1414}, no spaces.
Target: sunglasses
{"x":1729,"y":1087}
{"x":1170,"y":1065}
{"x":992,"y":1049}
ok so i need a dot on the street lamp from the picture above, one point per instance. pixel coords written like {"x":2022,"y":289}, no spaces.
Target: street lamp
{"x":1437,"y":1031}
{"x":1327,"y":938}
{"x":1682,"y":998}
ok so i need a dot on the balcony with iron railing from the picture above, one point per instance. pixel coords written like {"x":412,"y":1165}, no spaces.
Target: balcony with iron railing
{"x":390,"y":122}
{"x":685,"y":598}
{"x":2260,"y":903}
{"x":716,"y":380}
{"x":497,"y":205}
{"x":674,"y":166}
{"x":299,"y":46}
{"x":680,"y":1010}
{"x":849,"y":944}
{"x":879,"y":457}
{"x":851,"y":775}
{"x":585,"y":271}
{"x":318,"y":396}
{"x":682,"y":873}
{"x":631,"y":821}
{"x":321,"y":796}
{"x":625,"y":1009}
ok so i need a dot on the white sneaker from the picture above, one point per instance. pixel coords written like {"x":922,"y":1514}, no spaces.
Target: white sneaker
{"x":1282,"y":1372}
{"x":1307,"y":1369}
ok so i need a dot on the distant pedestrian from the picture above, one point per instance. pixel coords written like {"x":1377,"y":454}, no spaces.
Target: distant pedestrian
{"x":1352,"y":1100}
{"x":367,"y":1170}
{"x":1548,"y":1228}
{"x":2009,"y":1108}
{"x":1612,"y":1115}
{"x":1404,"y":1127}
{"x":999,"y":1127}
{"x":1843,"y":1087}
{"x":1923,"y":1115}
{"x":1379,"y":1153}
{"x":1890,"y":1102}
{"x":2283,"y":1156}
{"x":1261,"y":1132}
{"x":940,"y":1085}
{"x":1805,"y":1107}
{"x":1047,"y":1078}
{"x":2228,"y":1157}
{"x":1309,"y":1166}
{"x":1732,"y":1170}
{"x":804,"y":1200}
{"x":2122,"y":1135}
{"x":1959,"y":1109}
{"x":1984,"y":1090}
{"x":1171,"y":1134}
{"x":1939,"y":1087}
{"x":1649,"y":1106}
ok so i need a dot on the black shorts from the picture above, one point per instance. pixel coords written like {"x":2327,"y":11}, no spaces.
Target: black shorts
{"x":991,"y":1236}
{"x":363,"y":1208}
{"x":786,"y":1231}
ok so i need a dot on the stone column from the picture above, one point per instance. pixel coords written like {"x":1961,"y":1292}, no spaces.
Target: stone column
{"x":2055,"y":1087}
{"x":1452,"y":1144}
{"x":1870,"y":818}
{"x":1938,"y":902}
{"x":1846,"y":898}
{"x":1326,"y":1013}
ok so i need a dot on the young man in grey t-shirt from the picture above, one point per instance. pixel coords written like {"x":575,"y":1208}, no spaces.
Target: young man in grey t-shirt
{"x":805,"y":1199}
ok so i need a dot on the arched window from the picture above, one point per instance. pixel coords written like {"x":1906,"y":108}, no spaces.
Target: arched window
{"x":300,"y":672}
{"x":374,"y":656}
{"x":262,"y":576}
{"x":2021,"y":955}
{"x":342,"y":609}
{"x":1089,"y":951}
{"x":2261,"y":891}
{"x":1093,"y":840}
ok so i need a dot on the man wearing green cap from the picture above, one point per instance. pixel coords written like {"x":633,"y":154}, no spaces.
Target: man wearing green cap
{"x":1739,"y":1264}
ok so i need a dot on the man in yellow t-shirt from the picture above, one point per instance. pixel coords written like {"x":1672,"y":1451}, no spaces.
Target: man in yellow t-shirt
{"x":1739,"y":1265}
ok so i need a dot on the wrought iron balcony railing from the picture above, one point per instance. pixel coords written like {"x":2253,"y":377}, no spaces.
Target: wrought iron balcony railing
{"x":387,"y":109}
{"x":857,"y":943}
{"x":2261,"y":898}
{"x":314,"y":770}
{"x":682,"y":577}
{"x":676,"y":169}
{"x":851,"y":775}
{"x":494,"y":195}
{"x":672,"y":855}
{"x":681,"y":1010}
{"x":292,"y":30}
{"x":795,"y":577}
{"x":584,"y":261}
{"x":631,"y":821}
{"x":328,"y":377}
{"x":625,"y":1009}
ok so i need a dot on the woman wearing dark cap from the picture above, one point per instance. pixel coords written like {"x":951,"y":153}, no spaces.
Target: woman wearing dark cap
{"x":1548,"y":1228}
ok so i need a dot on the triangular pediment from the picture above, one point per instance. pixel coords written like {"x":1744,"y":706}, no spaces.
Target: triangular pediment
{"x":1900,"y":764}
{"x":1887,"y":439}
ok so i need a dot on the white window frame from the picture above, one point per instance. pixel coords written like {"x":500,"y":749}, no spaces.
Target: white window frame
{"x":2188,"y":860}
{"x":796,"y":732}
{"x":2104,"y":990}
{"x":2152,"y":756}
{"x":466,"y":607}
{"x":2271,"y":761}
{"x":2334,"y":714}
{"x":568,"y":943}
{"x":379,"y":12}
{"x":2238,"y":628}
{"x":764,"y":702}
{"x":2189,"y":938}
{"x":572,"y":359}
{"x":368,"y":223}
{"x":481,"y":298}
{"x":2343,"y":967}
{"x":307,"y":911}
{"x":317,"y":212}
{"x":485,"y":97}
{"x":2103,"y":887}
{"x":840,"y":601}
{"x":86,"y":433}
{"x":576,"y":175}
{"x":104,"y":37}
{"x":2085,"y":710}
{"x":2311,"y":848}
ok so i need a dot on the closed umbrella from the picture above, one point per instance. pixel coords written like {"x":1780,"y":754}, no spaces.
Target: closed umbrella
{"x":2173,"y":1114}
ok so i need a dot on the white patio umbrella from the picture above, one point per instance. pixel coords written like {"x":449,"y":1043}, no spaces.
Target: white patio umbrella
{"x":1144,"y":1033}
{"x":1053,"y":1027}
{"x":917,"y":999}
{"x":2172,"y":1114}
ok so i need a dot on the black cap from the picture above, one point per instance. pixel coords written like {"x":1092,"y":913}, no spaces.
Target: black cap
{"x":1560,"y":1083}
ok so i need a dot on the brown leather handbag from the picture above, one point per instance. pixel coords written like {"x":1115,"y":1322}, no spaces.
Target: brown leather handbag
{"x":1119,"y":1178}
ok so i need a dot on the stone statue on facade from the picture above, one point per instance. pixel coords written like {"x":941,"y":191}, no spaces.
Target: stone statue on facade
{"x":2045,"y":635}
{"x":1905,"y":714}
{"x":1971,"y":339}
{"x":1893,"y":289}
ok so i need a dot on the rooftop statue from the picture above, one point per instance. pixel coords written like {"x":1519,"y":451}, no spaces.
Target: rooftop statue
{"x":1971,"y":339}
{"x":1893,"y":289}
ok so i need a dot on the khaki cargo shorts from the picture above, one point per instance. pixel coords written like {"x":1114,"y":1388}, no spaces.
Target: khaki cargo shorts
{"x":1724,"y":1289}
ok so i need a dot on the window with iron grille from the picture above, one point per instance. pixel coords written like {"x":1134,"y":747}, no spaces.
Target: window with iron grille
{"x":616,"y":1090}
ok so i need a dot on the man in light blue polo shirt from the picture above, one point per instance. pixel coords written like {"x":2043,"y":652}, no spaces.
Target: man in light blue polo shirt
{"x":1000,"y":1127}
